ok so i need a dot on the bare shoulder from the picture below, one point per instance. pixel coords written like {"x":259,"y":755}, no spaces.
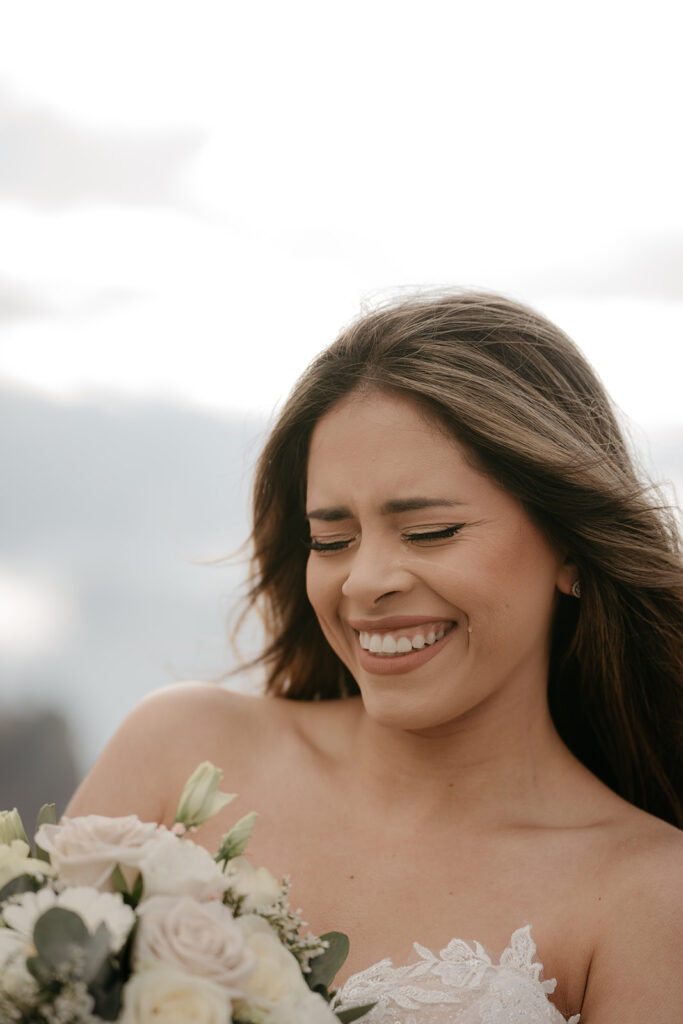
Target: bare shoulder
{"x":161,"y":741}
{"x":635,"y":970}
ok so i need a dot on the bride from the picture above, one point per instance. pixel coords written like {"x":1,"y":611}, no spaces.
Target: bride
{"x":472,"y":738}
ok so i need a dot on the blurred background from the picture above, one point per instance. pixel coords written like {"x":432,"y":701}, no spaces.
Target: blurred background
{"x":194,"y":198}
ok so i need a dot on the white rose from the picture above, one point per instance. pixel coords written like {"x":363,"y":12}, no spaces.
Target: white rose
{"x":16,"y":860}
{"x":86,"y":850}
{"x":276,"y":992}
{"x":257,"y":885}
{"x":165,"y":995}
{"x":201,"y":938}
{"x":92,"y":907}
{"x":178,"y":867}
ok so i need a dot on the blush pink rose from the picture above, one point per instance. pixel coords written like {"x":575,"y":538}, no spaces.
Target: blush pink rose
{"x":200,"y":938}
{"x":86,"y":850}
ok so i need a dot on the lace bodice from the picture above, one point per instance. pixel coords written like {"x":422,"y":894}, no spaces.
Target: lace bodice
{"x":459,"y":986}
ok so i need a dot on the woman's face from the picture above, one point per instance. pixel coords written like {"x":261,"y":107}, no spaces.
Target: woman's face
{"x":429,"y":581}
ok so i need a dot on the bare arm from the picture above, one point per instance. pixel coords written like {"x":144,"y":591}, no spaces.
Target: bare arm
{"x":636,"y":974}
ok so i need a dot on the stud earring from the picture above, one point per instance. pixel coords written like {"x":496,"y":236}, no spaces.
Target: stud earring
{"x":576,"y":588}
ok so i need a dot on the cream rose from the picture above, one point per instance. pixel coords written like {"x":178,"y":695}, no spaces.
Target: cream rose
{"x":86,"y":850}
{"x":175,"y":867}
{"x":165,"y":995}
{"x":16,"y":860}
{"x":277,"y":992}
{"x":201,"y":938}
{"x":258,"y":887}
{"x":92,"y":907}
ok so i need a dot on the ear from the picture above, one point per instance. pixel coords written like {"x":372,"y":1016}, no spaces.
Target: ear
{"x":567,"y":575}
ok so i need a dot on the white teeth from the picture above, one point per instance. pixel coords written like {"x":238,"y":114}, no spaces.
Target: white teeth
{"x":389,"y":645}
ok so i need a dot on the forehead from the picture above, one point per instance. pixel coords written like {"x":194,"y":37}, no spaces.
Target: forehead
{"x":383,"y":442}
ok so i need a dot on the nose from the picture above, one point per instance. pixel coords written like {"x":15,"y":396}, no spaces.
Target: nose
{"x":374,"y":573}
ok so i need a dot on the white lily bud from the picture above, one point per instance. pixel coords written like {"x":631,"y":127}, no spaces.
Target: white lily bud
{"x":11,"y":827}
{"x":200,"y":798}
{"x":234,"y":842}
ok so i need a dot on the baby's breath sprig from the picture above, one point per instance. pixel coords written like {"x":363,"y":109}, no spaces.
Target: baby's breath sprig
{"x":288,"y":924}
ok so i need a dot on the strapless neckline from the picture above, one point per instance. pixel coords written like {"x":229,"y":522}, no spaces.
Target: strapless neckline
{"x":459,"y":985}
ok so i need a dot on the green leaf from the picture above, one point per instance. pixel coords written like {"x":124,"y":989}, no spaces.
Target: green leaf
{"x":46,"y":816}
{"x":40,"y":971}
{"x":354,"y":1012}
{"x":96,"y":953}
{"x":57,"y":933}
{"x":325,"y":966}
{"x":24,"y":883}
{"x":106,"y":990}
{"x":118,"y":881}
{"x":134,"y":897}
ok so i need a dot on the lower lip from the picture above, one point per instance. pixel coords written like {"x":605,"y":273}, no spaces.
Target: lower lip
{"x":398,"y":664}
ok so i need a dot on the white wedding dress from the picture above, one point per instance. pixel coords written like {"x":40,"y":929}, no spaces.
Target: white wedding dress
{"x":459,"y":986}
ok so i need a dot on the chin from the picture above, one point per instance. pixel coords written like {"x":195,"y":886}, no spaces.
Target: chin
{"x":410,"y":711}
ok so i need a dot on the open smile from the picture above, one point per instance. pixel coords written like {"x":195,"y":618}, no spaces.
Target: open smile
{"x":401,"y":648}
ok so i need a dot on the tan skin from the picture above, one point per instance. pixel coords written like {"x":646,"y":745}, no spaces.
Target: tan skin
{"x":441,"y":803}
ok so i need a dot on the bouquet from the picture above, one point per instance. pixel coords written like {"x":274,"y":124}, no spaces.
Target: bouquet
{"x":116,"y":919}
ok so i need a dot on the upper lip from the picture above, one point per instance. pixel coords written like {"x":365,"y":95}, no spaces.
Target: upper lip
{"x":395,"y":622}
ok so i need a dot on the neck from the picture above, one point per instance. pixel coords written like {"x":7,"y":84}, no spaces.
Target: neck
{"x":497,"y":764}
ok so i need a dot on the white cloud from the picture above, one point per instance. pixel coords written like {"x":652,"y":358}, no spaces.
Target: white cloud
{"x":35,"y":614}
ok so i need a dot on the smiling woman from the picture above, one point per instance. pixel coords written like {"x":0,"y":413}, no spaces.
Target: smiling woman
{"x":474,"y":619}
{"x":397,"y":585}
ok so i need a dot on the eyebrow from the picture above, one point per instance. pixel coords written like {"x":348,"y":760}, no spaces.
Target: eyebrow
{"x":334,"y":515}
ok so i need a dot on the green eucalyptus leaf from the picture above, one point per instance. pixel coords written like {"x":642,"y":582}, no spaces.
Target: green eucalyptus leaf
{"x":354,"y":1012}
{"x":325,"y":966}
{"x":106,"y":989}
{"x":40,"y":971}
{"x":96,"y":953}
{"x":23,"y":883}
{"x":57,"y":934}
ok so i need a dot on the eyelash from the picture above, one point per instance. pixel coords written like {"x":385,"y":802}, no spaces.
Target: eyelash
{"x":340,"y":545}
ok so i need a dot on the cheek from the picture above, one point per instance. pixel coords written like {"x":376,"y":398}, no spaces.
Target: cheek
{"x":321,"y":587}
{"x":323,"y":590}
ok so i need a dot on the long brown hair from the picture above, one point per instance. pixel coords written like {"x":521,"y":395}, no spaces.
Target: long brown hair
{"x":519,"y":394}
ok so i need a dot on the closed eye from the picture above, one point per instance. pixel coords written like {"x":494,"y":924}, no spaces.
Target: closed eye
{"x":431,"y":535}
{"x":330,"y":545}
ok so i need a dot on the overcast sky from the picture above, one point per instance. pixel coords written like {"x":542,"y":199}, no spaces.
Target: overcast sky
{"x":194,"y":198}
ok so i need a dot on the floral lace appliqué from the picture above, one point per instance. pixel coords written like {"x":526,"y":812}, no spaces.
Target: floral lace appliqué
{"x":459,"y":986}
